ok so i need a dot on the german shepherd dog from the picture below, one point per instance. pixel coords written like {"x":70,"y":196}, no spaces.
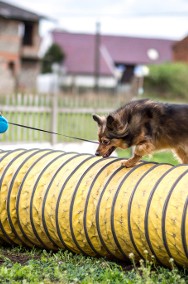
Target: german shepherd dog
{"x":147,"y":125}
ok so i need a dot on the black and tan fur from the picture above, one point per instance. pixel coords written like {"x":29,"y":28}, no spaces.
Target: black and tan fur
{"x":147,"y":125}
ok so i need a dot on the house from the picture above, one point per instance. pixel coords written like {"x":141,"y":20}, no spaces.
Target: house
{"x":107,"y":60}
{"x":180,"y":50}
{"x":19,"y":47}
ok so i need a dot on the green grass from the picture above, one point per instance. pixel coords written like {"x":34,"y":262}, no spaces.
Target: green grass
{"x":159,"y":157}
{"x":72,"y":124}
{"x":19,"y":265}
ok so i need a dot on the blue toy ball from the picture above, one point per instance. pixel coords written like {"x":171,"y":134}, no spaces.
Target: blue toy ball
{"x":3,"y":124}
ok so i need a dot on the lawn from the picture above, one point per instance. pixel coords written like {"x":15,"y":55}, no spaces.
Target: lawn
{"x":19,"y":265}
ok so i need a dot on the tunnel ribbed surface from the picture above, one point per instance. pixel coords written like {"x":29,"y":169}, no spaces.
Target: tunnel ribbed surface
{"x":92,"y":205}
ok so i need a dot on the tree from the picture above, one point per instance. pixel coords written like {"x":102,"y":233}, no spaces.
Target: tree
{"x":54,"y":54}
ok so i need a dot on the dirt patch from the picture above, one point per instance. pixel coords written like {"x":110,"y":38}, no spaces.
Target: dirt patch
{"x":19,"y":258}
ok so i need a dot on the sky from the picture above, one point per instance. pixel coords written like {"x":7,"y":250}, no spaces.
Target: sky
{"x":143,"y":18}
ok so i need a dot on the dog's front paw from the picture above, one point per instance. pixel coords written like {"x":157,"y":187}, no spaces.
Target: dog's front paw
{"x":128,"y":164}
{"x":131,"y":162}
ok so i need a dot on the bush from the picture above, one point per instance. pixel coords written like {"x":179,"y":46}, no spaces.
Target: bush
{"x":169,"y":81}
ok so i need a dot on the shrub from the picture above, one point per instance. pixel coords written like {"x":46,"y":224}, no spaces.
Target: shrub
{"x":168,"y":80}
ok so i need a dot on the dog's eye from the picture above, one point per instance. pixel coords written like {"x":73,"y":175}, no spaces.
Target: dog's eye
{"x":105,"y":142}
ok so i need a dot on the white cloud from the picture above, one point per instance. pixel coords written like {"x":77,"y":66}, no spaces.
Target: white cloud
{"x":157,"y":6}
{"x":116,"y":16}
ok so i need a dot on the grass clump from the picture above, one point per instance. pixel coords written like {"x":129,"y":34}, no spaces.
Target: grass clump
{"x":149,"y":272}
{"x":20,"y":265}
{"x":58,"y":267}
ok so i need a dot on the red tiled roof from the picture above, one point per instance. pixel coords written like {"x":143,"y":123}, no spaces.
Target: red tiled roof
{"x":80,"y":51}
{"x":134,"y":50}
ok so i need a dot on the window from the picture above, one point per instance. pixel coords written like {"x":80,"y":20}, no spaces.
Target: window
{"x":28,"y":34}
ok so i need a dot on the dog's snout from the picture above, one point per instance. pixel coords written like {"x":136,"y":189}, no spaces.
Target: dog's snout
{"x":97,"y":153}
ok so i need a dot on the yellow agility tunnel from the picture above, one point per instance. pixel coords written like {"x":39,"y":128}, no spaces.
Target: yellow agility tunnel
{"x":87,"y":204}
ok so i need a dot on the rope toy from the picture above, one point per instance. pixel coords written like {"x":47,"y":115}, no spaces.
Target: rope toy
{"x":3,"y":124}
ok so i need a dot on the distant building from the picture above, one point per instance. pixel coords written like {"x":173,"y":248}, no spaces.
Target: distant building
{"x":180,"y":50}
{"x":110,"y":60}
{"x":19,"y":47}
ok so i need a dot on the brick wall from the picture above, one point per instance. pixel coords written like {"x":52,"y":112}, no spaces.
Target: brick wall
{"x":28,"y":75}
{"x":19,"y":66}
{"x":7,"y":81}
{"x":9,"y":55}
{"x":9,"y":39}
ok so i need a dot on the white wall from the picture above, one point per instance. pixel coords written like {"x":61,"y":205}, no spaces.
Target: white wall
{"x":45,"y":82}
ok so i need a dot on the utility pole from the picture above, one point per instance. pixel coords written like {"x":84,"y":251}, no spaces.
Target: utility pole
{"x":97,"y":56}
{"x":54,"y":111}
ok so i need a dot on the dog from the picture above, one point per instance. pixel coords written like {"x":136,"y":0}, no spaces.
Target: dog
{"x":148,"y":125}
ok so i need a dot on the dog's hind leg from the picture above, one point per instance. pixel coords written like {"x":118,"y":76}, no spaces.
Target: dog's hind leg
{"x":182,"y":154}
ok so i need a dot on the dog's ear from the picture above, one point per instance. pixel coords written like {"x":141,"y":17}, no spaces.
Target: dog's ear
{"x":110,"y":119}
{"x":98,"y":119}
{"x":114,"y":124}
{"x":111,"y":123}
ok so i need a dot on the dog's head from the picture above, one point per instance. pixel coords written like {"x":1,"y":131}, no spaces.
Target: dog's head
{"x":128,"y":126}
{"x":111,"y":134}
